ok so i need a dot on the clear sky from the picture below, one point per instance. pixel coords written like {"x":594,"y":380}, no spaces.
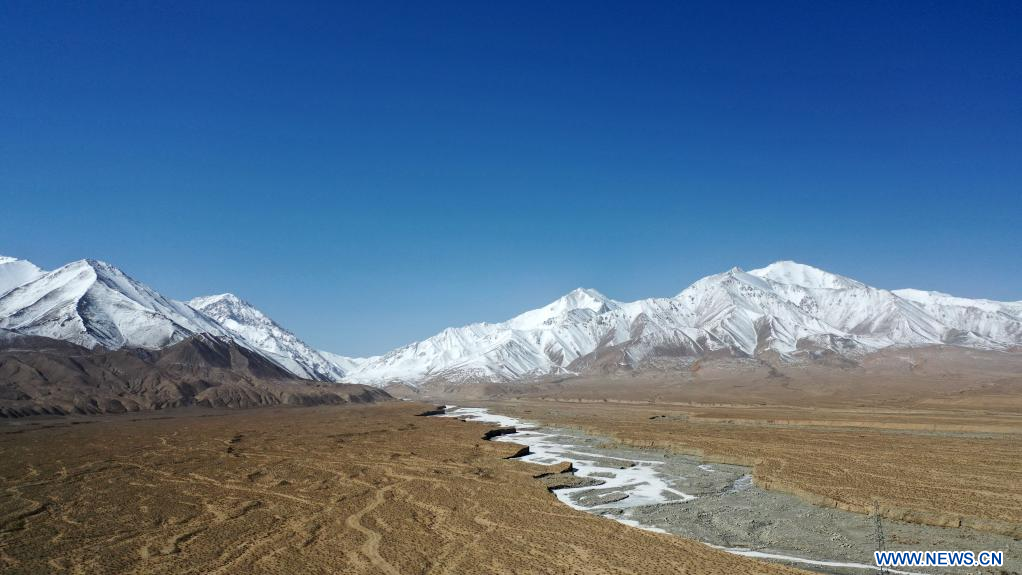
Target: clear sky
{"x":370,"y":173}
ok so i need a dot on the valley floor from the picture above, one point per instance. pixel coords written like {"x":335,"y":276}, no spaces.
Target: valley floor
{"x":718,"y":504}
{"x":346,"y":489}
{"x":944,"y":468}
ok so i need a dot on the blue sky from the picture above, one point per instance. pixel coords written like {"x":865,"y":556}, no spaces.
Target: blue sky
{"x":368,"y":175}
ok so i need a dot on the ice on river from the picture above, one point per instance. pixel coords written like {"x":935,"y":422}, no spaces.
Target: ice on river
{"x":626,"y":483}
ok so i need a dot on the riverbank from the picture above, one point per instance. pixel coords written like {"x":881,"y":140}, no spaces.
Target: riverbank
{"x":922,"y":467}
{"x":718,"y":503}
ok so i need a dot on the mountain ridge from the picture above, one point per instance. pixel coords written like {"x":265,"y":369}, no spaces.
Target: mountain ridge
{"x":794,"y":311}
{"x":786,"y":311}
{"x":92,"y":303}
{"x":245,"y":321}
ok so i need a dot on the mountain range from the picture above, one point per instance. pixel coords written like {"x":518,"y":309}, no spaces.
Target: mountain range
{"x":785,"y":312}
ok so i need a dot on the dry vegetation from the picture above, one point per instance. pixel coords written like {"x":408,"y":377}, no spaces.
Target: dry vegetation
{"x":357,"y":489}
{"x":936,"y":467}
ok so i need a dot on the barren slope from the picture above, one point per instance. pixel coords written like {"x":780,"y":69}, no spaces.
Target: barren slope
{"x":44,"y":376}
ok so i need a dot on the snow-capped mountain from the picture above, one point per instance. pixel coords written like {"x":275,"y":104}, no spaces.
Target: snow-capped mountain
{"x":788,"y":310}
{"x":247,"y":323}
{"x":991,"y":320}
{"x":15,"y":272}
{"x":875,"y":317}
{"x":343,"y":362}
{"x":92,"y":303}
{"x":537,"y":342}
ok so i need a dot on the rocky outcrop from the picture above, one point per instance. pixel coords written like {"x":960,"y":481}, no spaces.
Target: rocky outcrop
{"x":498,"y":432}
{"x":568,"y":480}
{"x":520,"y":453}
{"x":440,"y":410}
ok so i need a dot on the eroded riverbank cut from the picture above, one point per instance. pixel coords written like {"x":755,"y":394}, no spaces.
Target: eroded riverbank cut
{"x":718,"y":504}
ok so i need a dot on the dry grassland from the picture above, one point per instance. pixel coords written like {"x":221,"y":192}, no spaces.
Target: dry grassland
{"x":347,"y":490}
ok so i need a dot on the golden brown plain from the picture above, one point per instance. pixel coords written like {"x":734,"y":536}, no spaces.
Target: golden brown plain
{"x":370,"y":489}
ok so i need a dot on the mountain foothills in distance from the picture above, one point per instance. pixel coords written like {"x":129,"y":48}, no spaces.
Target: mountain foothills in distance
{"x":785,"y":313}
{"x":44,"y":376}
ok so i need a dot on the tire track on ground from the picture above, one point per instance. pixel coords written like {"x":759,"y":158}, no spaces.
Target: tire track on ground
{"x":371,"y":548}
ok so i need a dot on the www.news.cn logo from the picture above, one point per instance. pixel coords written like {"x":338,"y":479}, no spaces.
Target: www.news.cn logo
{"x":939,"y":558}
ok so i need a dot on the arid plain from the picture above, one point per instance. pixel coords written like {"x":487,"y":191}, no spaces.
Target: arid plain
{"x":339,"y":489}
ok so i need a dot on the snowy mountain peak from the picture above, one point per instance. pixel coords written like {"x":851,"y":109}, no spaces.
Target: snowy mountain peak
{"x":794,"y":273}
{"x":576,"y":299}
{"x":91,"y":303}
{"x":94,"y":269}
{"x":787,"y":310}
{"x":251,"y":325}
{"x":734,"y":278}
{"x":226,"y":299}
{"x":584,"y":298}
{"x":97,"y":266}
{"x":15,"y":273}
{"x":228,"y":306}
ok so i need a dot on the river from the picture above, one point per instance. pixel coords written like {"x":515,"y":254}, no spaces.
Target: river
{"x":719,"y":505}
